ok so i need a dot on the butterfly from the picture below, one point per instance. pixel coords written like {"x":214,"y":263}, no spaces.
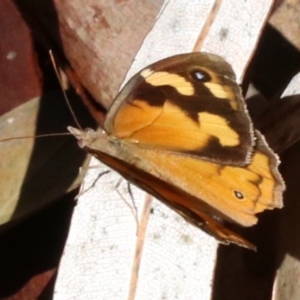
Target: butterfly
{"x":180,"y":130}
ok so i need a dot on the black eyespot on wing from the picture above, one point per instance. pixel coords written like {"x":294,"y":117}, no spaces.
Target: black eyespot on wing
{"x":238,"y":195}
{"x":200,"y":75}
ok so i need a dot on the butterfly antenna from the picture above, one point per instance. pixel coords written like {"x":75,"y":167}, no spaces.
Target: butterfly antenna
{"x":34,"y":136}
{"x":63,"y":89}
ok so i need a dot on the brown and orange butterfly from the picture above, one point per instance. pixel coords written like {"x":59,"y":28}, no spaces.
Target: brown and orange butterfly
{"x":180,"y":130}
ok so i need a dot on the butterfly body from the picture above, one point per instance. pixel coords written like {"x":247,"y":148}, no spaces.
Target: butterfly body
{"x":180,"y":130}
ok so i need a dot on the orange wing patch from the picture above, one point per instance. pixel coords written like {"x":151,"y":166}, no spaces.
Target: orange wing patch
{"x":183,"y":86}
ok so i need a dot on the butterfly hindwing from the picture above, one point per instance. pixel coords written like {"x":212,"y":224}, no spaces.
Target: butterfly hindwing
{"x":235,"y":193}
{"x":197,"y":193}
{"x":174,"y":197}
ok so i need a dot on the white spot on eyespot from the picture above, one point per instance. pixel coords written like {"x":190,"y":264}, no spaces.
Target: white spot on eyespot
{"x":238,"y":195}
{"x":199,"y":75}
{"x":10,"y":120}
{"x":11,"y":55}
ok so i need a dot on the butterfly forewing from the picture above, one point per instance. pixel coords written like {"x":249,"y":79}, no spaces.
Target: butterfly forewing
{"x":194,"y":101}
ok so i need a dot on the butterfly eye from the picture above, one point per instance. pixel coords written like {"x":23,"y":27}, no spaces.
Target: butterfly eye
{"x":200,"y":75}
{"x":239,"y":195}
